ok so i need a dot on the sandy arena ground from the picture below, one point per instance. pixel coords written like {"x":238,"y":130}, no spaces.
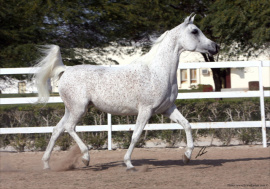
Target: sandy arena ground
{"x":219,"y":167}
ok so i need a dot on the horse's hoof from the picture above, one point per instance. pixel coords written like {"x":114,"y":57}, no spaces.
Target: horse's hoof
{"x":185,"y":159}
{"x":132,"y":169}
{"x":86,"y":162}
{"x":46,"y":167}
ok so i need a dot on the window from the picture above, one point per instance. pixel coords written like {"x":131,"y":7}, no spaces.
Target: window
{"x":183,"y":75}
{"x":193,"y":75}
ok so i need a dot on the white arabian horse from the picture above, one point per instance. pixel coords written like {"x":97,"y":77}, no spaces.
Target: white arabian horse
{"x":147,"y":86}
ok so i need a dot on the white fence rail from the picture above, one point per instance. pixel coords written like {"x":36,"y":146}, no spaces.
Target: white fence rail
{"x":203,"y":125}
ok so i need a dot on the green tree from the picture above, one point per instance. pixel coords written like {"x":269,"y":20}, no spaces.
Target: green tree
{"x":19,"y":31}
{"x":77,"y":24}
{"x":240,"y":26}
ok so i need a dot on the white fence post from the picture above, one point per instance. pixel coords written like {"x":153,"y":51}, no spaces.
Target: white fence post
{"x":263,"y":121}
{"x":109,"y":116}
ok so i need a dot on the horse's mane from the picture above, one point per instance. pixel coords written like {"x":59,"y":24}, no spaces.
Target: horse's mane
{"x":148,"y":57}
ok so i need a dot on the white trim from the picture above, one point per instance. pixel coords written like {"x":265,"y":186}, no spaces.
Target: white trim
{"x":130,"y":127}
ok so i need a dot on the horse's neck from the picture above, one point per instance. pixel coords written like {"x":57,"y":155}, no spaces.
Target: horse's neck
{"x":167,"y":59}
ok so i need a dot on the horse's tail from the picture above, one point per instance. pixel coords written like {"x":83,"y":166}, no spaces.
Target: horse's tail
{"x":50,"y":66}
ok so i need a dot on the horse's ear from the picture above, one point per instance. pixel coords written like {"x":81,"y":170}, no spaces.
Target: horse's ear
{"x":190,"y":19}
{"x":186,"y":20}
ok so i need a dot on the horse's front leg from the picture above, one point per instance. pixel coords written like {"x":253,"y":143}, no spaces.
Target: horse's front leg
{"x":143,"y":117}
{"x":174,"y":114}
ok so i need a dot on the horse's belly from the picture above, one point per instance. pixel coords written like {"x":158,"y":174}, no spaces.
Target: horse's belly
{"x":116,"y":107}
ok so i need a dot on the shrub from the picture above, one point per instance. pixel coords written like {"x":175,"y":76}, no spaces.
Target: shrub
{"x":202,"y":110}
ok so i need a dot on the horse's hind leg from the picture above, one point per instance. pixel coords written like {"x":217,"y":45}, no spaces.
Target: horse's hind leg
{"x":174,"y":114}
{"x":70,"y":125}
{"x":57,"y":130}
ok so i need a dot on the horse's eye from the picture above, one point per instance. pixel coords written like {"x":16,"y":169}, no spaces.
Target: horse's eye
{"x":195,"y":31}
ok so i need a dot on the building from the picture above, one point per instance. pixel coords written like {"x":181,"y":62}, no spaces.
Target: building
{"x":236,"y":78}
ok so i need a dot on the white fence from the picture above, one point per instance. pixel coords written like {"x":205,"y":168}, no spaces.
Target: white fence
{"x":199,"y":95}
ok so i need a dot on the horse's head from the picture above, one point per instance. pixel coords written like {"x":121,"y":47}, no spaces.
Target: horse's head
{"x":193,"y":39}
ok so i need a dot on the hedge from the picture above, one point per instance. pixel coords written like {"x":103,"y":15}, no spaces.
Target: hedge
{"x":202,"y":110}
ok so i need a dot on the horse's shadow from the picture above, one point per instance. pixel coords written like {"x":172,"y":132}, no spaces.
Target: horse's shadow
{"x":160,"y":164}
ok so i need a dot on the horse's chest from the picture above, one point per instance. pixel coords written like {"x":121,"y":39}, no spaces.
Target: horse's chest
{"x":167,"y":100}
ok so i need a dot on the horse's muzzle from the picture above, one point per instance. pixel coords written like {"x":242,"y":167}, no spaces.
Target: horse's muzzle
{"x":214,"y":48}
